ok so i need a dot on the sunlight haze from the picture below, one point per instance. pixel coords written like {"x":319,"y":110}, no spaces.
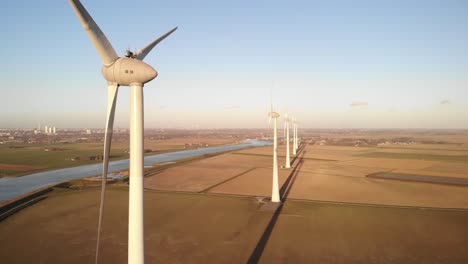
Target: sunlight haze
{"x":405,"y":62}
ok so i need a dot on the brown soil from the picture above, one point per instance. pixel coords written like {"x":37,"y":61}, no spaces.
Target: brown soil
{"x":203,"y":228}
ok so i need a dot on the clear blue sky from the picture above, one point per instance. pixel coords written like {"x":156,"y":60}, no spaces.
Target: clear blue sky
{"x":407,"y":60}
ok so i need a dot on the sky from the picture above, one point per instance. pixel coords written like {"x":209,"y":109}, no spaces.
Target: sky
{"x":332,"y":64}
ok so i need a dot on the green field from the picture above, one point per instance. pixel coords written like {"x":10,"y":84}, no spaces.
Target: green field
{"x":36,"y":155}
{"x":61,"y":155}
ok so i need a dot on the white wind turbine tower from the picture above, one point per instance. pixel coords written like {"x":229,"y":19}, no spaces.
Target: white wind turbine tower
{"x":129,"y":71}
{"x":297,"y":139}
{"x":286,"y":123}
{"x":284,"y":132}
{"x":294,"y":135}
{"x":275,"y":196}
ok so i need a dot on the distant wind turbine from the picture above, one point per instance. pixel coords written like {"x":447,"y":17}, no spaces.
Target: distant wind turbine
{"x":294,"y":136}
{"x":129,"y":71}
{"x":284,"y":131}
{"x":286,"y":123}
{"x":297,"y":135}
{"x":275,"y":196}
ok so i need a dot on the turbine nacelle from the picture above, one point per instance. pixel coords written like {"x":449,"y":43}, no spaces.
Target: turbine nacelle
{"x":128,"y":71}
{"x":273,"y":115}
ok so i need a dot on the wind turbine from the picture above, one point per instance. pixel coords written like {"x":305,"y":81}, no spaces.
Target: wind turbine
{"x":129,"y":71}
{"x":297,"y":139}
{"x":286,"y":123}
{"x":284,"y":131}
{"x":294,"y":136}
{"x":275,"y":196}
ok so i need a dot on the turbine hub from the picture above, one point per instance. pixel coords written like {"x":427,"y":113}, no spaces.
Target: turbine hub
{"x":125,"y":71}
{"x":273,"y":115}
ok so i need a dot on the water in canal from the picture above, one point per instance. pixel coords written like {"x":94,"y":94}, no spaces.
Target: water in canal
{"x":16,"y":186}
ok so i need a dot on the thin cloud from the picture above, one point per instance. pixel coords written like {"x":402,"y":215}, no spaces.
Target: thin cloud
{"x":445,"y":102}
{"x":359,"y":104}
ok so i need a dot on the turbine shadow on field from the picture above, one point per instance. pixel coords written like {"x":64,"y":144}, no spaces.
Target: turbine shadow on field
{"x":284,"y":192}
{"x":299,"y":149}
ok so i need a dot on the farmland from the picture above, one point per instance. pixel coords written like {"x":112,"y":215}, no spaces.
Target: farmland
{"x":217,"y":209}
{"x":23,"y":159}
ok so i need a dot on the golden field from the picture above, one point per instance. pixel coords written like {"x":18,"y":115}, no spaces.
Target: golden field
{"x":217,"y":210}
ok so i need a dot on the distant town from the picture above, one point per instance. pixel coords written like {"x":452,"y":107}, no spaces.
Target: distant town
{"x":334,"y":137}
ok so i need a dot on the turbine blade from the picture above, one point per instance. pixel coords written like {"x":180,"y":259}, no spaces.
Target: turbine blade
{"x":271,"y":100}
{"x":99,"y":40}
{"x":271,"y":104}
{"x":112,"y":91}
{"x":141,"y":53}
